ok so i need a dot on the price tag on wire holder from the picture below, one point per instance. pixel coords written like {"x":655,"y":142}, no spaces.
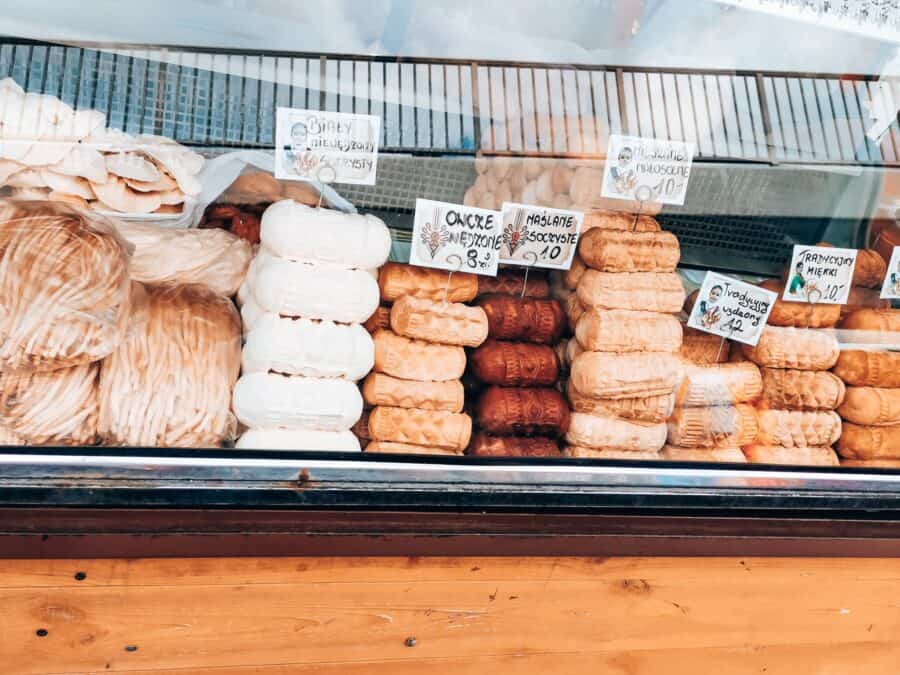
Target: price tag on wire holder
{"x":307,"y":139}
{"x":820,"y":274}
{"x":731,"y":308}
{"x":445,"y":234}
{"x":661,"y":167}
{"x":535,"y":236}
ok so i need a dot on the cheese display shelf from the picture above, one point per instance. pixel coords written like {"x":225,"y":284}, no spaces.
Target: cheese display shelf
{"x":250,"y":333}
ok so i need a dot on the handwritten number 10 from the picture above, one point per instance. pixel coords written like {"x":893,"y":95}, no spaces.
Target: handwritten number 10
{"x":552,"y":253}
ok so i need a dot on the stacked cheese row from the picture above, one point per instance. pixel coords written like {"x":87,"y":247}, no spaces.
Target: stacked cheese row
{"x":797,"y":419}
{"x":712,"y":418}
{"x":520,"y":413}
{"x":625,"y":367}
{"x":797,"y":422}
{"x":871,"y":408}
{"x":415,"y":391}
{"x":309,"y":289}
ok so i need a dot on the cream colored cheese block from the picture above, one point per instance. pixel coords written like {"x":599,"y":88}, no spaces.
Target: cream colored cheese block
{"x":595,"y":453}
{"x":310,"y":348}
{"x":605,"y":375}
{"x":611,"y":433}
{"x":313,"y":291}
{"x":299,"y":232}
{"x":298,"y":439}
{"x":272,"y":401}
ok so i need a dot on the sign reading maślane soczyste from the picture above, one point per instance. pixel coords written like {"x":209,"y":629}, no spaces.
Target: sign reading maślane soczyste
{"x":539,"y":237}
{"x":455,"y":238}
{"x":327,"y":147}
{"x":731,"y":308}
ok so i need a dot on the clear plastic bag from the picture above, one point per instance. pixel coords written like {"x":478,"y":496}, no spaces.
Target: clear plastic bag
{"x":169,"y":384}
{"x":64,"y":286}
{"x":214,"y":257}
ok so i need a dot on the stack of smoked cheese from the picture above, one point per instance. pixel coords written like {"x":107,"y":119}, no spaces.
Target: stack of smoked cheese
{"x":622,"y":384}
{"x":871,"y":408}
{"x":415,"y":391}
{"x":520,"y":413}
{"x":797,"y":419}
{"x":712,"y":419}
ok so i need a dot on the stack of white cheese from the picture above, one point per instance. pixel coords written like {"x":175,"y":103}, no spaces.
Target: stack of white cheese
{"x":308,"y":290}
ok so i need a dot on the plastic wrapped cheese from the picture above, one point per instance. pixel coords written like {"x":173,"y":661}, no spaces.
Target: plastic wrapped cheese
{"x":306,"y":347}
{"x":169,"y":384}
{"x":298,"y":439}
{"x":212,"y":256}
{"x":298,"y":232}
{"x":51,"y":407}
{"x":273,"y":401}
{"x":64,"y":286}
{"x":312,"y":291}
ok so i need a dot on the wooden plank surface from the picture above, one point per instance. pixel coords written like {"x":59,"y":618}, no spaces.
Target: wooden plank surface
{"x":465,"y":615}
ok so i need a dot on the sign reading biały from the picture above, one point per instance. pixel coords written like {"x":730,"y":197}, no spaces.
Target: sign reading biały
{"x":731,"y":308}
{"x":890,"y":289}
{"x":455,"y":238}
{"x":539,"y":237}
{"x":820,"y":274}
{"x":327,"y":147}
{"x":647,"y":169}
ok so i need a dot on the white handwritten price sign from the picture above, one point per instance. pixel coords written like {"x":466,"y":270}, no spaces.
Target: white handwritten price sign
{"x":731,"y":308}
{"x":820,"y":274}
{"x":539,"y":237}
{"x":327,"y":147}
{"x":647,"y":169}
{"x":890,"y":289}
{"x":455,"y":238}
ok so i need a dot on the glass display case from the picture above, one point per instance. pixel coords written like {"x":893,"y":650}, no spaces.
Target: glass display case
{"x":209,"y":303}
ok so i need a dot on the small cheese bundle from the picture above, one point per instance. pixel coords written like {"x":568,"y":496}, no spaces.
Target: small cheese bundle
{"x":627,"y":370}
{"x":415,"y":392}
{"x":169,"y":384}
{"x":307,"y":294}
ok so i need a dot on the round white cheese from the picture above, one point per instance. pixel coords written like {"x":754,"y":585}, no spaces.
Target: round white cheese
{"x":272,"y":401}
{"x":312,"y":291}
{"x":299,"y":232}
{"x":250,"y":314}
{"x":310,"y":348}
{"x":299,"y":439}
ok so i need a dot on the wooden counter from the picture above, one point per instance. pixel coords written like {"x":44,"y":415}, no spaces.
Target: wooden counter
{"x":461,"y":615}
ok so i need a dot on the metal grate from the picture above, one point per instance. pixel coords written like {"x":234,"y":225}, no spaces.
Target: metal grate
{"x":401,"y":180}
{"x":730,"y":243}
{"x":215,"y":98}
